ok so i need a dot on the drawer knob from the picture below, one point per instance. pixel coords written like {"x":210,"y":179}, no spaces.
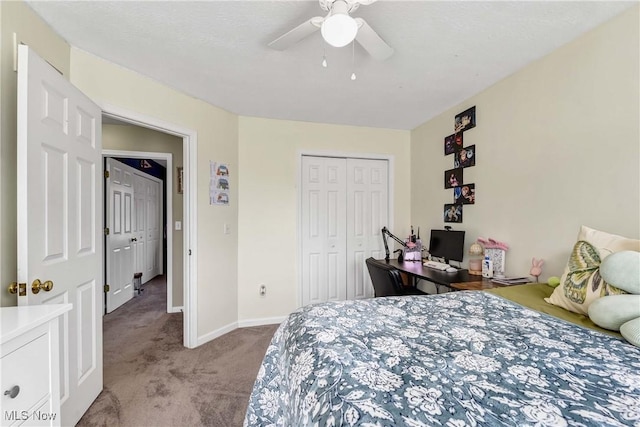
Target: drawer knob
{"x":13,"y":392}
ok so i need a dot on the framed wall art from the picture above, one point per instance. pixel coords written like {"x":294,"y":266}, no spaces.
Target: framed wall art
{"x":464,"y":194}
{"x":453,"y":178}
{"x":465,"y":157}
{"x":466,"y":120}
{"x":452,"y":143}
{"x":452,"y":213}
{"x":180,"y":179}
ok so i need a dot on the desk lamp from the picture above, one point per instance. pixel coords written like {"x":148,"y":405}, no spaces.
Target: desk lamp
{"x":385,"y":233}
{"x":475,"y":264}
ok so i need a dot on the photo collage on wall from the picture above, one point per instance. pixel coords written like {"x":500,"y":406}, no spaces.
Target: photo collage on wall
{"x":463,"y":157}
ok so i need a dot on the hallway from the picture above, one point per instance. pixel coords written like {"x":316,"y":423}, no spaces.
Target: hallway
{"x":151,"y":379}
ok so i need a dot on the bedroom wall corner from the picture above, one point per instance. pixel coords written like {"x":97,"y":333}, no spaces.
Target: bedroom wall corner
{"x":558,"y":146}
{"x":268,"y":229}
{"x":17,"y":17}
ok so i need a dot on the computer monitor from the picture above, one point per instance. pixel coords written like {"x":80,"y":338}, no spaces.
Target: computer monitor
{"x":448,"y":245}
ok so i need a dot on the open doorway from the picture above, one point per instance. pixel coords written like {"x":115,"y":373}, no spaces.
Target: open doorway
{"x":139,"y":208}
{"x":182,"y":279}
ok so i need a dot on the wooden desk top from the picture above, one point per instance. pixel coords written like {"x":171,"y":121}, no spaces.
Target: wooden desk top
{"x":476,"y":286}
{"x":460,"y":280}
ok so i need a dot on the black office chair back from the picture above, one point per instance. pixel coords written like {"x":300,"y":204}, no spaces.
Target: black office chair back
{"x":385,"y":279}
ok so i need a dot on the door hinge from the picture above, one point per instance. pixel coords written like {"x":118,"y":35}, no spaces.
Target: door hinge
{"x":189,"y":252}
{"x":106,"y":288}
{"x":106,"y":231}
{"x":106,"y":174}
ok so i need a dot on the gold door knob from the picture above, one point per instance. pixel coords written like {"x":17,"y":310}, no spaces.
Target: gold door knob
{"x":37,"y":285}
{"x":13,"y":288}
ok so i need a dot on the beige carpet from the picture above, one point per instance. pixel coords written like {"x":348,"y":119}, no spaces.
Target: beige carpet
{"x":150,"y":379}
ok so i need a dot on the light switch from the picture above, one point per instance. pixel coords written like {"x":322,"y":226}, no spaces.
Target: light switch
{"x":226,"y":229}
{"x":178,"y":225}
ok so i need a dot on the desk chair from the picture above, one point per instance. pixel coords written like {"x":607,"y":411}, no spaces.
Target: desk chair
{"x":386,"y":280}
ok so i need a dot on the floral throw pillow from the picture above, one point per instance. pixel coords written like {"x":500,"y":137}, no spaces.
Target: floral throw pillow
{"x":581,"y":283}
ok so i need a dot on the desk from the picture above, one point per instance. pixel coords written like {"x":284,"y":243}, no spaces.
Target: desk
{"x":461,"y":280}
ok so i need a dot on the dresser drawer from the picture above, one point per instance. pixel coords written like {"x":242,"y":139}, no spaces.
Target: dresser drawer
{"x":27,"y":367}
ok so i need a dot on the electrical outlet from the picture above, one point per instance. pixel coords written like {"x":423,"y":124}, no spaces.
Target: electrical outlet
{"x":263,"y":290}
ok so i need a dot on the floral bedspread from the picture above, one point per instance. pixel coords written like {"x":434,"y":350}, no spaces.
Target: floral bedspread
{"x":456,"y":359}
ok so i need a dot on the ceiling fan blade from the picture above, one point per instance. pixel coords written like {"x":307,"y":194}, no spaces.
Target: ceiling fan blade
{"x":371,"y":41}
{"x":365,"y":2}
{"x":298,"y":33}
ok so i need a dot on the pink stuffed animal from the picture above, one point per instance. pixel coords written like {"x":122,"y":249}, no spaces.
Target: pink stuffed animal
{"x":536,"y":268}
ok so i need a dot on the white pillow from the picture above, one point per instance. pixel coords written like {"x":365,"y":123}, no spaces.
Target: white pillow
{"x":581,"y":283}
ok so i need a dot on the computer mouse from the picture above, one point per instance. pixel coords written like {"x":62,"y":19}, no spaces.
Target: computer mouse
{"x":451,"y":270}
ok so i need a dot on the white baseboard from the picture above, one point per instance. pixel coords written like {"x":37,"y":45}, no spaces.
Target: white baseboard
{"x":259,"y":322}
{"x":235,"y":325}
{"x":176,"y":310}
{"x":217,"y":333}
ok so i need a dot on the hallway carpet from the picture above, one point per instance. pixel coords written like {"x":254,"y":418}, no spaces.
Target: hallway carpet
{"x":151,"y":379}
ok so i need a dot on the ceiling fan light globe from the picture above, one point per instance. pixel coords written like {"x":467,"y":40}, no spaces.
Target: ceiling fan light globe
{"x":339,"y":30}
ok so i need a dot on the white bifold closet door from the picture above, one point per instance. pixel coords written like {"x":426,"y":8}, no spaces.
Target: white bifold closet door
{"x":148,"y":227}
{"x":345,"y":203}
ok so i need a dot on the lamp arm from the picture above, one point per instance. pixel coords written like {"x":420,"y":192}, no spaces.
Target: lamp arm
{"x":385,"y":233}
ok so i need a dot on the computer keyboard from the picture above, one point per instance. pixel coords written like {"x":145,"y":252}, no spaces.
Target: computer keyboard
{"x":436,"y":265}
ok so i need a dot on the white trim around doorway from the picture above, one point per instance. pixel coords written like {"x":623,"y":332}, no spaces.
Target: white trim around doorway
{"x":190,"y":225}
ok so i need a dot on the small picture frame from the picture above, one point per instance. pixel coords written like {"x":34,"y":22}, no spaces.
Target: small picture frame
{"x":465,"y":157}
{"x":465,"y":194}
{"x":180,"y":186}
{"x":453,"y":213}
{"x":466,"y":120}
{"x":453,"y":178}
{"x":452,"y":143}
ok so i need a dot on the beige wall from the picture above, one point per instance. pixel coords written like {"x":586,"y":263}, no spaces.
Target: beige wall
{"x":557,"y":143}
{"x":17,"y":17}
{"x":135,"y":138}
{"x":558,"y":146}
{"x":268,"y":237}
{"x":217,"y":130}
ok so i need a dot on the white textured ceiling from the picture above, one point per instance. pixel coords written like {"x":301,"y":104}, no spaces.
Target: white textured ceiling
{"x":445,"y":52}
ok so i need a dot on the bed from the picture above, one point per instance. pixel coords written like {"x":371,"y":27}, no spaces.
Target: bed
{"x":457,"y":359}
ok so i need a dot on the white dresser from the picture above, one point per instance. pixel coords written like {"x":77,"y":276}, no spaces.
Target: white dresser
{"x":30,"y":365}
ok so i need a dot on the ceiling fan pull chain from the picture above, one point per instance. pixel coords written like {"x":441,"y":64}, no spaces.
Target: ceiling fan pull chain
{"x":353,"y":60}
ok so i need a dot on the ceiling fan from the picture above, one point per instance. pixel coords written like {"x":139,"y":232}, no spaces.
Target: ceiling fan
{"x":338,"y":29}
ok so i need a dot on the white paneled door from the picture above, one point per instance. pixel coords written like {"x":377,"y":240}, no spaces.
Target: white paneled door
{"x":120,"y":238}
{"x":324,"y":248}
{"x":140,"y":224}
{"x":344,"y":205}
{"x":59,"y":206}
{"x":367,"y":212}
{"x":154,"y":227}
{"x":148,"y":226}
{"x":134,"y":219}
